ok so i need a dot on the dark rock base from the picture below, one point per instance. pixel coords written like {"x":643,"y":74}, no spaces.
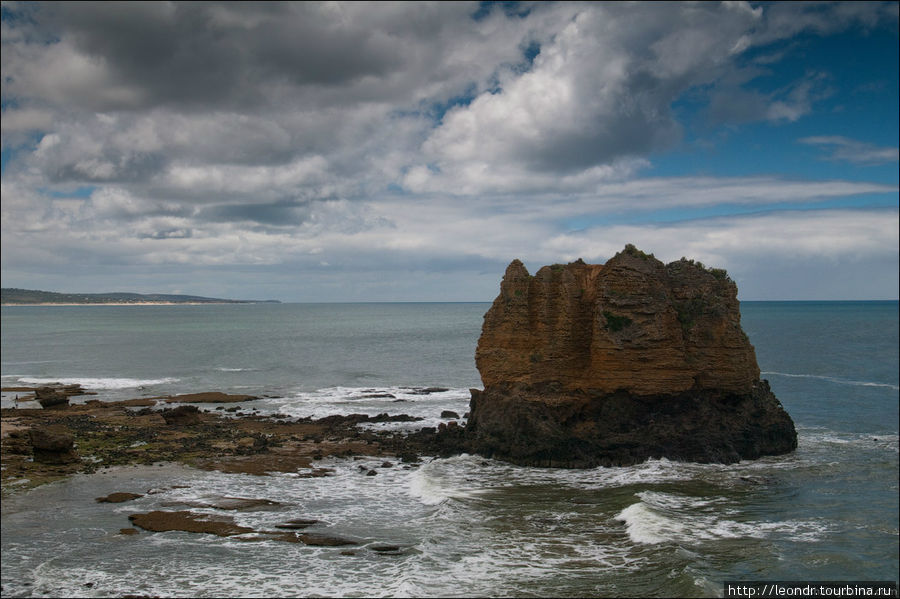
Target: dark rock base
{"x":546,"y":426}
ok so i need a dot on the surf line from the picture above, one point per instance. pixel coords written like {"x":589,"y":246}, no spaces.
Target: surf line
{"x":832,"y":379}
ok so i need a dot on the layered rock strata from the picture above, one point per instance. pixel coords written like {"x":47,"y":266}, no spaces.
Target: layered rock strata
{"x":590,"y":364}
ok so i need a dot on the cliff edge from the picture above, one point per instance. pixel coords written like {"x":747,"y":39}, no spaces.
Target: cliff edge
{"x":589,"y":364}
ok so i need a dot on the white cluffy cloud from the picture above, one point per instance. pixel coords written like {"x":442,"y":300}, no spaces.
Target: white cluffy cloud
{"x":171,"y":144}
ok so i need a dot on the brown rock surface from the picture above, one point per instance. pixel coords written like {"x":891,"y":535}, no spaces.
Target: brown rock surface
{"x":631,"y":324}
{"x":160,"y":521}
{"x":587,"y":364}
{"x":53,"y":445}
{"x":51,"y":398}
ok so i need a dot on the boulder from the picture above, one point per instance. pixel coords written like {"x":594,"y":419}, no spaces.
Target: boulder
{"x":53,"y":445}
{"x":51,"y":398}
{"x":182,"y":416}
{"x":603,"y":364}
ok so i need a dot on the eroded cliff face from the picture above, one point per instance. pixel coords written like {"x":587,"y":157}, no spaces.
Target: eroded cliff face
{"x":633,"y":324}
{"x":586,"y":364}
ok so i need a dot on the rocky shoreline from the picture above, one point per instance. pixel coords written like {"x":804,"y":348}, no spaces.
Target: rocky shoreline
{"x":47,"y":444}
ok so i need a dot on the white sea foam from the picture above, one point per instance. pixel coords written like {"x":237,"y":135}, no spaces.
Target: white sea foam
{"x":646,"y":526}
{"x":99,"y":383}
{"x":818,"y":436}
{"x":666,"y":517}
{"x":371,"y":401}
{"x":834,"y":379}
{"x":435,"y":482}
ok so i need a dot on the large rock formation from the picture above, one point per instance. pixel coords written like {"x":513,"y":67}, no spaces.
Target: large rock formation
{"x":589,"y":364}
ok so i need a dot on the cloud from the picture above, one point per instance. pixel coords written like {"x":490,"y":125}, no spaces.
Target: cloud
{"x":598,"y":93}
{"x":844,"y":149}
{"x":415,"y":136}
{"x":731,"y":103}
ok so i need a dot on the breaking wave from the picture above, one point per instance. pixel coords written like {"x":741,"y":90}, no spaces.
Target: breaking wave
{"x":666,"y":517}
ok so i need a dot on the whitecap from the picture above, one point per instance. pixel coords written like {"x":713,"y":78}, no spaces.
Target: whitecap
{"x":434,"y":483}
{"x":646,"y":526}
{"x":99,"y":383}
{"x":667,"y":517}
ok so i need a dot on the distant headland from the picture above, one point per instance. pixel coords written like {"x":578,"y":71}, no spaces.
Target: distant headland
{"x":10,"y":296}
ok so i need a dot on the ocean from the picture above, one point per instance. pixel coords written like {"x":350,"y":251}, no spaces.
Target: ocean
{"x":465,"y":526}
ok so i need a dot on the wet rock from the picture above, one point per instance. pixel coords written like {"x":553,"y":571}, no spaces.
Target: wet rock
{"x":409,"y":457}
{"x":428,"y":390}
{"x":371,"y":473}
{"x":118,"y":497}
{"x":228,"y":503}
{"x":382,"y":548}
{"x":128,"y":531}
{"x":324,"y":540}
{"x":297,"y":524}
{"x":449,"y":414}
{"x":397,"y":418}
{"x":209,"y":397}
{"x":161,"y":521}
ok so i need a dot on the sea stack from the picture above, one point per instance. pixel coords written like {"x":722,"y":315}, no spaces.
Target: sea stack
{"x":612,"y":364}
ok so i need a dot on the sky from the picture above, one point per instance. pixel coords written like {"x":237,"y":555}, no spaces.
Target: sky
{"x":310,"y":152}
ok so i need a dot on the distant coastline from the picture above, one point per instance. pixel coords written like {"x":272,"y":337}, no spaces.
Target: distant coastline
{"x":133,"y":303}
{"x":31,"y":297}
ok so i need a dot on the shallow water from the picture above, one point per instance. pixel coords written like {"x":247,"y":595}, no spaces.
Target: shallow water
{"x":466,"y":526}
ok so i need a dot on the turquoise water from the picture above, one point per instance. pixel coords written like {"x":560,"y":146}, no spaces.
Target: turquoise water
{"x":466,"y":526}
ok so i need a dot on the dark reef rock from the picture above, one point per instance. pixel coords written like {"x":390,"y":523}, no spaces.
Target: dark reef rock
{"x":587,"y":365}
{"x":118,"y":497}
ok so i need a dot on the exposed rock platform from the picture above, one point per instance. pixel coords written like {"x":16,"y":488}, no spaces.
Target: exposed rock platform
{"x":42,"y":445}
{"x":611,"y":364}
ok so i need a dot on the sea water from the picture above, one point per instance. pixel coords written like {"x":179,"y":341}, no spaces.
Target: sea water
{"x":465,"y":526}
